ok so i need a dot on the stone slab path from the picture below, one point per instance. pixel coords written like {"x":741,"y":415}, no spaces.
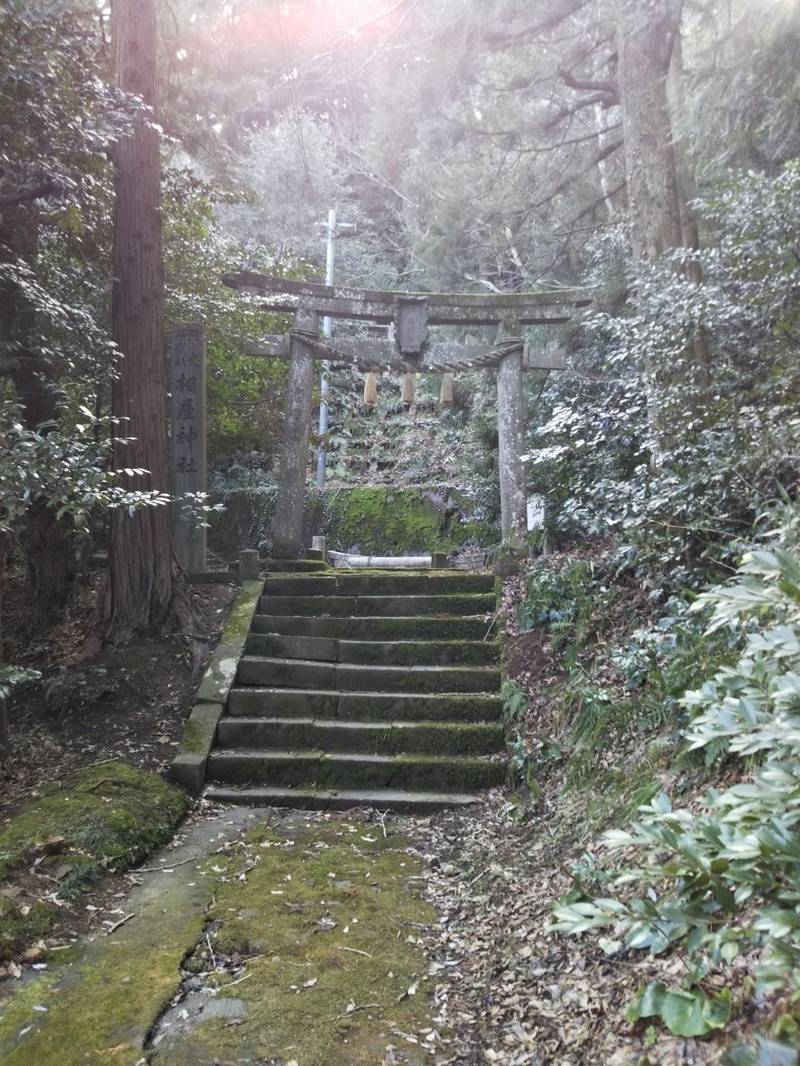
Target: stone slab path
{"x":261,"y":937}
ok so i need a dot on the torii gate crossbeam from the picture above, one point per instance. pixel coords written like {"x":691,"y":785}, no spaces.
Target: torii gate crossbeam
{"x":412,"y":349}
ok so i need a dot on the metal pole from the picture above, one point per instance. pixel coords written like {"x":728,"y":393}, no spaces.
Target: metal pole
{"x":327,"y":325}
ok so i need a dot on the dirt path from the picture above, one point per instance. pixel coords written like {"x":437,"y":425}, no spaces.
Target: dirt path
{"x":261,"y":938}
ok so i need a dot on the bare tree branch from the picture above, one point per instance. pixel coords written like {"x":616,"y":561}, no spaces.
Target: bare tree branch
{"x":585,"y":101}
{"x":561,"y":10}
{"x":607,"y":86}
{"x":573,"y":175}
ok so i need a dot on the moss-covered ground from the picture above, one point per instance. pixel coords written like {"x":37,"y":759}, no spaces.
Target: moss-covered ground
{"x":101,"y":819}
{"x":329,"y":920}
{"x":304,"y":936}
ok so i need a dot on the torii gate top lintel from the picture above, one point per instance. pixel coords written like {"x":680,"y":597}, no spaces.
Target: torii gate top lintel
{"x":411,"y":349}
{"x":379,"y":305}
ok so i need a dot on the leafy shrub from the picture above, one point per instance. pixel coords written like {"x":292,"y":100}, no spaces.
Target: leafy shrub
{"x":673,"y":454}
{"x":726,"y":879}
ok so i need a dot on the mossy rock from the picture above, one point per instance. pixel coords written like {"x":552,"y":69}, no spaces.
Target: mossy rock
{"x":327,"y":916}
{"x":380,"y":520}
{"x":103,"y":818}
{"x":321,"y":917}
{"x":109,"y":816}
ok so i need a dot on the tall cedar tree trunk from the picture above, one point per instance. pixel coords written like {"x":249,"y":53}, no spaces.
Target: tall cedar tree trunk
{"x":5,"y":734}
{"x":647,"y":31}
{"x":49,"y":545}
{"x":687,"y":191}
{"x":146,"y":585}
{"x":646,"y":34}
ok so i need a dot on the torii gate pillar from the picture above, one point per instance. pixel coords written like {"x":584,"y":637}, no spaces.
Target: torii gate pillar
{"x":287,"y":527}
{"x":509,"y":429}
{"x":412,"y":313}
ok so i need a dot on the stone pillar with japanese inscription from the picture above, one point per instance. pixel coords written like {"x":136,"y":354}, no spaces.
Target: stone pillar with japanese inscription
{"x":187,"y":367}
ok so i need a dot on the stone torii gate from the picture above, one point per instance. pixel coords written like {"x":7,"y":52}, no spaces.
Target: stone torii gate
{"x":411,"y":348}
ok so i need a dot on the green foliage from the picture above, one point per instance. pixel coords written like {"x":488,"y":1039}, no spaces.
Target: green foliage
{"x":245,"y":394}
{"x":566,"y":603}
{"x":683,"y":1013}
{"x":515,"y":702}
{"x":725,"y":879}
{"x":68,"y":467}
{"x":11,"y":676}
{"x":248,"y":494}
{"x":674,"y":457}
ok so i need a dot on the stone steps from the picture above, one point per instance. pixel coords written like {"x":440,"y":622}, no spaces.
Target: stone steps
{"x":381,"y":583}
{"x":309,"y":768}
{"x":430,"y":627}
{"x":371,"y":688}
{"x":377,"y":738}
{"x":252,"y":702}
{"x":352,"y":677}
{"x":374,"y":652}
{"x":403,"y":801}
{"x":379,"y":606}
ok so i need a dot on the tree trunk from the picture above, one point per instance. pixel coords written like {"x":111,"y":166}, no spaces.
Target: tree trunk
{"x":5,"y":732}
{"x":687,"y":191}
{"x":646,"y":34}
{"x":146,"y":588}
{"x":49,"y":545}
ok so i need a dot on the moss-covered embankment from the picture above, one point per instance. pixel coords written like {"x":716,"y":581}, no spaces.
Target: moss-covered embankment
{"x":370,"y":519}
{"x":102,"y":819}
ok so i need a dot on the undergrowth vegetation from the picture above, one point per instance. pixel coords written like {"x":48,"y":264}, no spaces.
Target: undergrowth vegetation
{"x":721,"y":880}
{"x":676,"y":729}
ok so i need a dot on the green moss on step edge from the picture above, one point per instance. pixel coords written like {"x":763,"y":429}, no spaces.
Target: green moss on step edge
{"x":109,"y":816}
{"x":238,"y":625}
{"x":224,"y":660}
{"x":200,"y":729}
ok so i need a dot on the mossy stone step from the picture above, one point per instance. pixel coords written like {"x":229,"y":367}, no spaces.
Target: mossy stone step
{"x":403,"y":801}
{"x":363,"y":706}
{"x":437,"y":627}
{"x":377,"y":652}
{"x":300,"y":673}
{"x":378,"y":606}
{"x":379,"y":738}
{"x":380,"y":583}
{"x":365,"y":688}
{"x":308,"y":768}
{"x":282,"y":567}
